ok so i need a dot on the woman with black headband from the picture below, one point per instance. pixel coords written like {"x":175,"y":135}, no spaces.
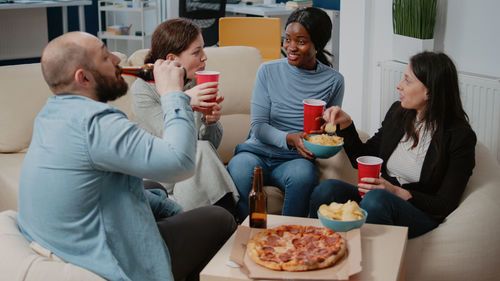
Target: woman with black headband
{"x":275,"y":140}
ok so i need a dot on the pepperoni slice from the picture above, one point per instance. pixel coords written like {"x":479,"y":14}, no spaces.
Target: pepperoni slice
{"x":297,"y":242}
{"x":285,"y":257}
{"x":309,"y":230}
{"x":331,"y":240}
{"x":293,"y":230}
{"x":273,"y":241}
{"x":268,"y":256}
{"x":267,"y":249}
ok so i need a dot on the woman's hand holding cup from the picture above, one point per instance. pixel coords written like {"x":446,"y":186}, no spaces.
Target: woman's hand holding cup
{"x":213,"y":114}
{"x":202,"y":96}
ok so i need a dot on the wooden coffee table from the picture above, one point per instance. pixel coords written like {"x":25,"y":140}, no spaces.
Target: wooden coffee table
{"x":383,"y":251}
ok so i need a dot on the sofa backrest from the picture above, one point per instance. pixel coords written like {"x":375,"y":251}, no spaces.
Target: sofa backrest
{"x":123,"y":103}
{"x":23,"y":94}
{"x":238,"y":67}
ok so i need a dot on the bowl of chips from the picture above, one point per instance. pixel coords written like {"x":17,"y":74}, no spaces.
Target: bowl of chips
{"x":323,"y":145}
{"x":342,"y":217}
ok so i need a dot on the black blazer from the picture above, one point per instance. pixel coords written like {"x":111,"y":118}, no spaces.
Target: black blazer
{"x":442,"y":179}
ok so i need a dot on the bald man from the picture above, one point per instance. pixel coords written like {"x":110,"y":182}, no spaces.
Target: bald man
{"x":81,"y":193}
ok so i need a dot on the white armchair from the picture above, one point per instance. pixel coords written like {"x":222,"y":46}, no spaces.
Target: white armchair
{"x":466,"y":245}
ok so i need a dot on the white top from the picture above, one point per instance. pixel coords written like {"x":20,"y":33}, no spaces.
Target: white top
{"x":405,"y":163}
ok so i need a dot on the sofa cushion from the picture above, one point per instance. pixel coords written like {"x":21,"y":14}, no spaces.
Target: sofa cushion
{"x":19,"y":261}
{"x":339,"y":166}
{"x":137,"y":58}
{"x":21,"y":101}
{"x":123,"y":58}
{"x":123,"y":103}
{"x":238,"y":66}
{"x":235,"y":131}
{"x":465,"y":246}
{"x":24,"y":93}
{"x":10,"y":169}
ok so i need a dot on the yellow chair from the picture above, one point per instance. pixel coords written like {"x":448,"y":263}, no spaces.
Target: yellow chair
{"x":261,"y":33}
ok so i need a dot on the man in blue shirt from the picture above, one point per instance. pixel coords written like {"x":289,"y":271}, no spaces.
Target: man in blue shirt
{"x":81,"y":193}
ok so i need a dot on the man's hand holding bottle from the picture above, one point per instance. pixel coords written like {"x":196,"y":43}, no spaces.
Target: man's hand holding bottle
{"x":169,"y":76}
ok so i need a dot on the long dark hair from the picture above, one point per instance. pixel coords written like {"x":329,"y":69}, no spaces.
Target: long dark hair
{"x":172,"y":36}
{"x":443,"y":106}
{"x":318,"y":25}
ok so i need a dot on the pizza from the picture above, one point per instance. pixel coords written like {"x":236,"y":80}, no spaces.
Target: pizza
{"x":296,"y":248}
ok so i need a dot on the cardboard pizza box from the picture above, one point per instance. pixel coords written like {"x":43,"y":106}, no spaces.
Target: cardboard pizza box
{"x":347,"y":266}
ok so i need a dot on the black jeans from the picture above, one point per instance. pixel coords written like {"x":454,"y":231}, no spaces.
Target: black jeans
{"x":194,"y":237}
{"x":383,"y":207}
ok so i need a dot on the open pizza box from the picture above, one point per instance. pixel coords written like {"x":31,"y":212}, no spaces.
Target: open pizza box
{"x":345,"y":267}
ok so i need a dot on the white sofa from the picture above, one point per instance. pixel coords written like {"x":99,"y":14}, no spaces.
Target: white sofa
{"x":464,"y":247}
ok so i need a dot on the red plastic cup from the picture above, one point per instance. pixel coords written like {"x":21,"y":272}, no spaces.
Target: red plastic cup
{"x":368,"y":167}
{"x":312,"y":110}
{"x":207,"y":76}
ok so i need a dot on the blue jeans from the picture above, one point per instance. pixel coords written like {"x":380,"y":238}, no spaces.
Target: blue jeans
{"x":383,"y":207}
{"x":297,"y":177}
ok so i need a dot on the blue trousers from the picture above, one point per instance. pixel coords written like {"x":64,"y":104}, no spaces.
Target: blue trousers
{"x":297,"y":177}
{"x":383,"y":207}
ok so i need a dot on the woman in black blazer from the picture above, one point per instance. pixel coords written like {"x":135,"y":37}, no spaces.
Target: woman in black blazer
{"x":427,"y":146}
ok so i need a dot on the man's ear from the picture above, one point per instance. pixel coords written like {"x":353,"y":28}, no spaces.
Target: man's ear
{"x":83,"y":78}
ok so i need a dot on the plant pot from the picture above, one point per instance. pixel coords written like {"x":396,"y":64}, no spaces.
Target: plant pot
{"x":404,"y":47}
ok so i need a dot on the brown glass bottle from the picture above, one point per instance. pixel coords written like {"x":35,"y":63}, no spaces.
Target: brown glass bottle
{"x":257,"y":201}
{"x":145,"y":72}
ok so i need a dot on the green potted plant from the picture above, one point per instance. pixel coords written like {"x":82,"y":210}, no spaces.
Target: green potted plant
{"x":413,"y":24}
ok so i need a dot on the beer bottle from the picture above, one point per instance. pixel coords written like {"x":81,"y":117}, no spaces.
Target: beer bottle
{"x":257,"y":200}
{"x":145,"y":72}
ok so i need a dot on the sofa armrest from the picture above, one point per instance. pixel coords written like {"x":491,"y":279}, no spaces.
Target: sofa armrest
{"x":465,"y":246}
{"x":18,"y":260}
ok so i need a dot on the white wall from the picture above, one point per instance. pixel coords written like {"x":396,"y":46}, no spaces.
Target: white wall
{"x":468,"y":31}
{"x":352,"y":55}
{"x":471,"y":35}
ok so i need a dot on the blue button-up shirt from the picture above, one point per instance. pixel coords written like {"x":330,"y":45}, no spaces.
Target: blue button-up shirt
{"x":81,"y":193}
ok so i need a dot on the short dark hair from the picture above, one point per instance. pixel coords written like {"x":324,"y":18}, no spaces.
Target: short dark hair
{"x":318,"y":25}
{"x":172,"y":36}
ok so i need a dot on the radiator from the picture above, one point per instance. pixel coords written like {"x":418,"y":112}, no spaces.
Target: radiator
{"x":480,"y":98}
